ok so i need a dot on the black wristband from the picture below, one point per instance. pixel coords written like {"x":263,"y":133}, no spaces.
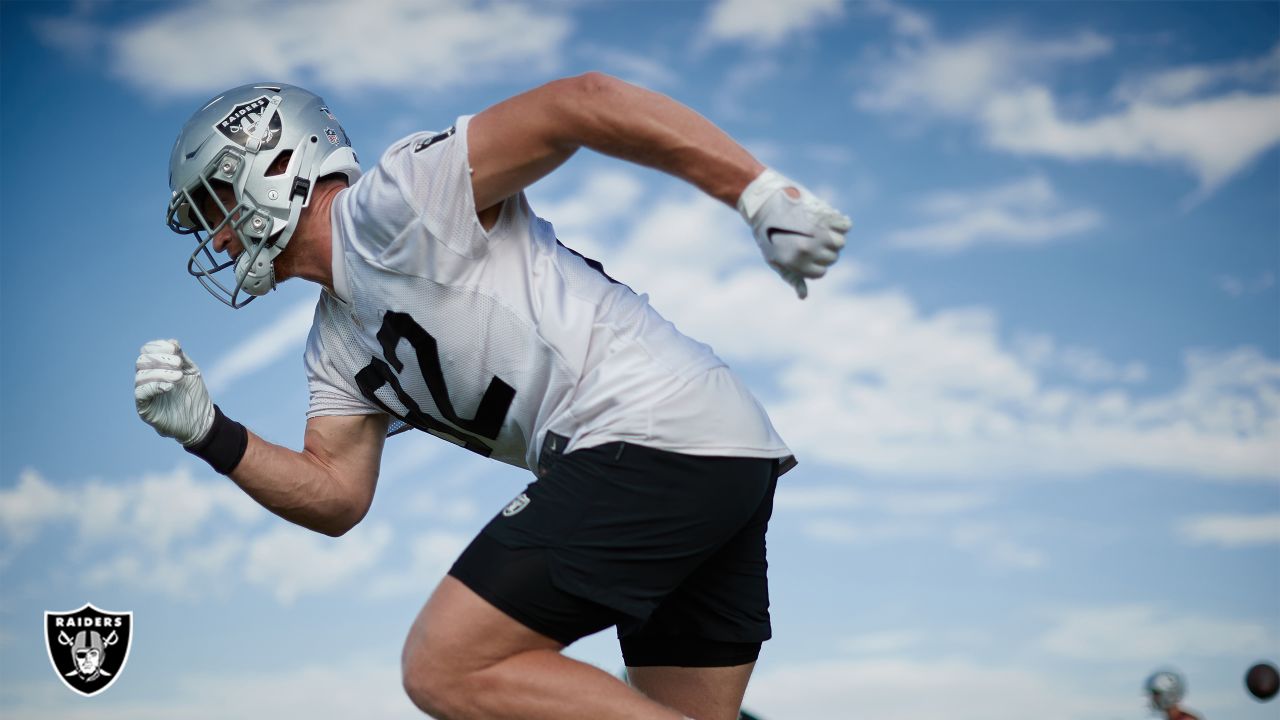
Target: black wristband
{"x":224,"y":445}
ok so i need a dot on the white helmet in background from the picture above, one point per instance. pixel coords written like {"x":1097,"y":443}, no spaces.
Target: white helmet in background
{"x":1165,"y":689}
{"x":234,"y":139}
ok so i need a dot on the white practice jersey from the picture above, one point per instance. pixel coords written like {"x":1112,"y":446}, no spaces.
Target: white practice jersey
{"x":492,"y":339}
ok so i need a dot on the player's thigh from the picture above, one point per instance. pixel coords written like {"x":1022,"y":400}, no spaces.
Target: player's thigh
{"x":705,"y":693}
{"x":458,"y":632}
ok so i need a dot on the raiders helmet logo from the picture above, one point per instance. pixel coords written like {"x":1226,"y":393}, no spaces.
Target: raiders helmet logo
{"x":88,"y":647}
{"x":244,"y":122}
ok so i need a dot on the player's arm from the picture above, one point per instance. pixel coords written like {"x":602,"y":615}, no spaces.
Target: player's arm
{"x":514,"y":143}
{"x":326,"y":487}
{"x":329,"y":485}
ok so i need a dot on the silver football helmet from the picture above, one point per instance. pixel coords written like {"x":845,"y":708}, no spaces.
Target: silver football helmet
{"x":1165,"y":688}
{"x":233,"y":141}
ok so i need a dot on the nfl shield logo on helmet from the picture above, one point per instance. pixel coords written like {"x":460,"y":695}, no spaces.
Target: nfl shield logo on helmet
{"x":88,"y":647}
{"x":242,"y":124}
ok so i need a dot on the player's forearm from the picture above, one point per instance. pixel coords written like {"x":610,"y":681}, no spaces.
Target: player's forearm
{"x":298,"y":487}
{"x":634,"y":124}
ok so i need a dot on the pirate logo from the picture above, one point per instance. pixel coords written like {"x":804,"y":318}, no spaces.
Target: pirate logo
{"x":88,"y":647}
{"x":245,"y":124}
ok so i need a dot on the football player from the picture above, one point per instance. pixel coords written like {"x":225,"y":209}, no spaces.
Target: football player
{"x":450,"y":307}
{"x":1165,"y":689}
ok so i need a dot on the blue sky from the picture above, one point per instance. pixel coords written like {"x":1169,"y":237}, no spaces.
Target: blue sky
{"x":1037,"y":403}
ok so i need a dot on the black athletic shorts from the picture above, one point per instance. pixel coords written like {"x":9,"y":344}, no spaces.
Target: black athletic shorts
{"x":668,"y":547}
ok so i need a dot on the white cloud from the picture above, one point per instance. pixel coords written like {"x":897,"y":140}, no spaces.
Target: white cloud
{"x":889,"y":688}
{"x":1024,"y":212}
{"x":153,"y":511}
{"x":1182,"y":83}
{"x":1082,"y":364}
{"x":988,"y":543}
{"x":1140,"y":633}
{"x":439,"y":506}
{"x":397,"y":44}
{"x":793,"y":497}
{"x":189,"y":572}
{"x":182,"y":537}
{"x":733,"y":96}
{"x":580,"y":220}
{"x":884,"y":642}
{"x":431,"y":556}
{"x":766,"y":22}
{"x":28,"y":505}
{"x":290,"y":561}
{"x":287,"y":333}
{"x":903,"y":503}
{"x":905,"y":20}
{"x":1232,"y":530}
{"x":998,"y":81}
{"x":931,"y":503}
{"x":861,"y":532}
{"x":993,"y":546}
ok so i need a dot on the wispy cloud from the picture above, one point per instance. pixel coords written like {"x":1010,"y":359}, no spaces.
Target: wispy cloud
{"x":183,"y":537}
{"x":1236,"y":286}
{"x":381,"y":44}
{"x":290,"y":561}
{"x":1212,"y":119}
{"x":766,"y":22}
{"x":1187,"y":82}
{"x":430,"y":556}
{"x":155,"y":510}
{"x":1082,"y":364}
{"x":635,"y":68}
{"x":887,"y":687}
{"x":1141,"y":633}
{"x":288,"y":333}
{"x":1232,"y":531}
{"x":1025,"y":212}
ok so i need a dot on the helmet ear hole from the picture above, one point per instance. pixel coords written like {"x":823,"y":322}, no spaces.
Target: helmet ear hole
{"x":280,"y":164}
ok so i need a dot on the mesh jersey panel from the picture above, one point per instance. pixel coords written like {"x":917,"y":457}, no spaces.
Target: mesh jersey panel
{"x":521,"y":335}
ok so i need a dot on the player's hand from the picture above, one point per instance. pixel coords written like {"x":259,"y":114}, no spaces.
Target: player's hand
{"x":800,"y":236}
{"x":170,"y":394}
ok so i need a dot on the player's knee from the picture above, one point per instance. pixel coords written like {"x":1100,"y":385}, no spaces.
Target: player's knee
{"x":430,"y":685}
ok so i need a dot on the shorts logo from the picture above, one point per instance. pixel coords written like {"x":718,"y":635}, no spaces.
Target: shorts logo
{"x":242,"y":124}
{"x":88,"y":647}
{"x":521,"y":502}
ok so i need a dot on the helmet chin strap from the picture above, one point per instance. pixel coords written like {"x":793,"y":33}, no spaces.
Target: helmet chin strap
{"x":256,"y":273}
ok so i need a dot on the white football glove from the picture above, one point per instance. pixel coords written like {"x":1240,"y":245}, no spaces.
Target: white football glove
{"x":800,"y":237}
{"x":170,"y":394}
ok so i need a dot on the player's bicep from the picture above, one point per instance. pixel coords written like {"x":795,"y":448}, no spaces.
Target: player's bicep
{"x":515,"y":143}
{"x":349,"y":448}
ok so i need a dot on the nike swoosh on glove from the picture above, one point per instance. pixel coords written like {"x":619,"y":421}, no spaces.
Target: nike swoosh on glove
{"x":170,"y":393}
{"x":799,"y":237}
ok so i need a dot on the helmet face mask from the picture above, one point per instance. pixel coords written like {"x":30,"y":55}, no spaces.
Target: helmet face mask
{"x":233,"y":142}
